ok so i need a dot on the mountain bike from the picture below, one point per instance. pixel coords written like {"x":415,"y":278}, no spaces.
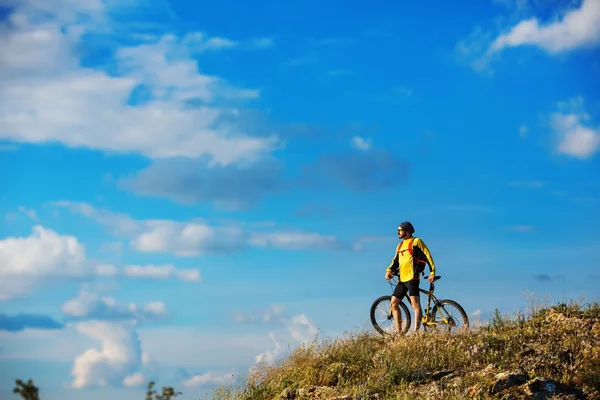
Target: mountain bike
{"x":438,"y":312}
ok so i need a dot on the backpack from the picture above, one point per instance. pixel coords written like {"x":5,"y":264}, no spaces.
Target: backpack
{"x":418,"y":263}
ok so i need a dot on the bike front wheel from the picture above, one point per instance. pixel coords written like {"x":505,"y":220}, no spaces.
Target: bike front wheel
{"x":448,"y":316}
{"x":383,"y":319}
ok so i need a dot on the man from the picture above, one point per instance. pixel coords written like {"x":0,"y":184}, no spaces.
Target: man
{"x":408,"y":263}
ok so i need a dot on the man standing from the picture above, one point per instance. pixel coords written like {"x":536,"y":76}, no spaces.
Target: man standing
{"x":411,"y":256}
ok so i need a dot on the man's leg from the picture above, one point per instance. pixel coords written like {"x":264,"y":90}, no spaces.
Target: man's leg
{"x":415,"y":301}
{"x":399,"y":292}
{"x":396,"y":313}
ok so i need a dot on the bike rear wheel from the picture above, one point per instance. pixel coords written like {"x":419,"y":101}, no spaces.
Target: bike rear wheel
{"x":383,"y":320}
{"x":448,"y":316}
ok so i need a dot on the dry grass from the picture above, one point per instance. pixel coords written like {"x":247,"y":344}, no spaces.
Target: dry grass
{"x":559,"y":343}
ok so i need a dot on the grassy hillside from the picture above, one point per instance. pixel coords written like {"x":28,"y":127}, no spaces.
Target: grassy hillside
{"x":552,"y":353}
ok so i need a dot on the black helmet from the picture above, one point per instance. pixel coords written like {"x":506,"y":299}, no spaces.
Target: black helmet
{"x":407,"y":226}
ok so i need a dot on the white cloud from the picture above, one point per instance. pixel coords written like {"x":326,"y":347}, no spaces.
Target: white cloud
{"x":209,"y":379}
{"x":300,"y":328}
{"x":188,"y":239}
{"x":573,"y":137}
{"x":149,"y":271}
{"x":219,"y":43}
{"x":65,"y":11}
{"x":576,"y":29}
{"x":271,"y":355}
{"x":169,"y":75}
{"x":161,"y":272}
{"x":295,"y":240}
{"x":117,"y":362}
{"x":523,"y":130}
{"x":155,"y":308}
{"x":112,"y":248}
{"x":135,"y":380}
{"x":147,"y":358}
{"x":106,"y":270}
{"x":167,"y":271}
{"x":15,"y":287}
{"x":121,"y":224}
{"x":576,"y":139}
{"x":44,"y":252}
{"x":26,"y":261}
{"x":244,"y":319}
{"x":191,"y":275}
{"x":469,"y":50}
{"x":22,"y":210}
{"x":263,"y":43}
{"x":361,"y":143}
{"x":89,"y":305}
{"x":198,"y":43}
{"x":45,"y":94}
{"x":29,"y":212}
{"x":275,"y":313}
{"x":117,"y":359}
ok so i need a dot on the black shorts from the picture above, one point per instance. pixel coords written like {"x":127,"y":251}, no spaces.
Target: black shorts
{"x":412,"y":287}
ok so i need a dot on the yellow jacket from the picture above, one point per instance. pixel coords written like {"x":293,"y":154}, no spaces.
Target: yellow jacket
{"x":405,"y":264}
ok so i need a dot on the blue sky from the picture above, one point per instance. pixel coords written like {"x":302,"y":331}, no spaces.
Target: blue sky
{"x":189,"y":188}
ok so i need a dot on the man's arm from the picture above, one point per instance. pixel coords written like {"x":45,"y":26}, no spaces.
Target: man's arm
{"x":423,"y":247}
{"x":395,"y":265}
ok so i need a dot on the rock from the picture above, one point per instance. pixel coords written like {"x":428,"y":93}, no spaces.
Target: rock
{"x":288,"y":393}
{"x":505,"y":380}
{"x":307,"y":391}
{"x":541,"y":389}
{"x":440,"y":374}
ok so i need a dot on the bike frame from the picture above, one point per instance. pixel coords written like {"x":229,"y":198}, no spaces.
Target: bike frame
{"x":436,"y":303}
{"x":430,"y":299}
